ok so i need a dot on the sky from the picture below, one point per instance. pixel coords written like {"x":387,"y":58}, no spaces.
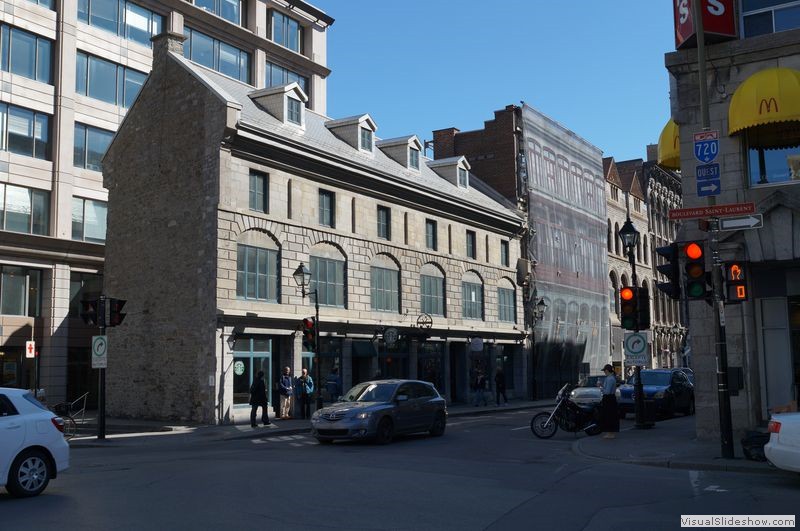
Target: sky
{"x":597,"y":67}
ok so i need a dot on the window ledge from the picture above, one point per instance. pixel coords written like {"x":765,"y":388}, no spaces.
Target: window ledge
{"x":756,"y":186}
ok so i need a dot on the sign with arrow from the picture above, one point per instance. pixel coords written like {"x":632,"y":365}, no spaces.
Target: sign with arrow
{"x":753,"y":221}
{"x":707,"y":188}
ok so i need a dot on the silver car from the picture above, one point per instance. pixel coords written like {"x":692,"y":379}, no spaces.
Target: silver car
{"x":587,"y":393}
{"x":380,"y":410}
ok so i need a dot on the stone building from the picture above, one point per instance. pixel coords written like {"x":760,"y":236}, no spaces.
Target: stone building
{"x":219,"y":191}
{"x":754,"y":104}
{"x":70,"y":71}
{"x":557,"y":179}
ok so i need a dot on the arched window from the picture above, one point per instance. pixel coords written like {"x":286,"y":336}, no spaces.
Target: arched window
{"x":432,"y":284}
{"x":617,"y":240}
{"x":385,"y":284}
{"x":612,"y":294}
{"x":472,"y":295}
{"x":644,"y":252}
{"x":609,"y":237}
{"x":506,"y":301}
{"x":257,"y":267}
{"x":328,"y":275}
{"x":639,"y":251}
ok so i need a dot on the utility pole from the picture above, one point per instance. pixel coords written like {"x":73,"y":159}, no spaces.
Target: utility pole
{"x":723,"y":394}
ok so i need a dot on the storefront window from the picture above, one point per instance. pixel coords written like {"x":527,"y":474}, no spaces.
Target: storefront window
{"x":774,"y":165}
{"x":505,"y":360}
{"x":330,"y":358}
{"x":20,"y":291}
{"x":251,"y":355}
{"x":430,"y":365}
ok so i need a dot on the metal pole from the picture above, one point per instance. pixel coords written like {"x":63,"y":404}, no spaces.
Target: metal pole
{"x":638,"y":388}
{"x":697,"y":18}
{"x":101,"y":400}
{"x":318,"y":353}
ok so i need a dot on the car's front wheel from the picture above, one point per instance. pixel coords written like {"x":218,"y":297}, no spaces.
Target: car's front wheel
{"x":439,"y":424}
{"x":385,"y":431}
{"x":29,"y":474}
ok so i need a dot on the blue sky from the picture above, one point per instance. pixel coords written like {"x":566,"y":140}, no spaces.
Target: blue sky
{"x":419,"y":65}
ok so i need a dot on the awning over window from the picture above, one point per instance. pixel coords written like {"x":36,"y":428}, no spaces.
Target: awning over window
{"x":771,"y":96}
{"x":669,"y":147}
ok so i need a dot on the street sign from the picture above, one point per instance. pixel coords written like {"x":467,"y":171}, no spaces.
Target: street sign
{"x":635,"y":345}
{"x":754,"y":221}
{"x":30,"y":349}
{"x":99,"y":352}
{"x":706,"y":146}
{"x":707,"y":188}
{"x":476,"y":344}
{"x":390,"y":336}
{"x":731,"y":209}
{"x":706,"y":172}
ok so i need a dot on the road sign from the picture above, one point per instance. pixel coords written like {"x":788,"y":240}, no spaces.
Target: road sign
{"x":707,"y":188}
{"x":390,"y":336}
{"x":99,"y":352}
{"x":754,"y":221}
{"x":635,"y":346}
{"x":731,"y":209}
{"x":706,"y":146}
{"x":705,"y":172}
{"x":30,"y":349}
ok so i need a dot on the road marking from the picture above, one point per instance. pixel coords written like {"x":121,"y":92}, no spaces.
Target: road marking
{"x":715,"y":488}
{"x":521,"y":428}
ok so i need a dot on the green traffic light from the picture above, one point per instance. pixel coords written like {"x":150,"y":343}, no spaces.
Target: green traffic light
{"x":696,"y":289}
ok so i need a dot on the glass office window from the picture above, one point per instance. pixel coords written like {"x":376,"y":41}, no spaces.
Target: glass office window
{"x":506,"y":305}
{"x":89,"y":220}
{"x":107,"y":81}
{"x":217,"y":55}
{"x":277,"y":75}
{"x":259,"y":191}
{"x":286,"y":31}
{"x":24,"y":132}
{"x":431,"y":235}
{"x":327,"y":208}
{"x":83,"y":286}
{"x":26,"y":54}
{"x":472,"y":300}
{"x":44,"y":3}
{"x":761,"y":17}
{"x":230,"y":10}
{"x":471,"y":245}
{"x":384,"y":289}
{"x":20,"y":291}
{"x":91,"y":144}
{"x":24,"y":210}
{"x":257,"y":273}
{"x":384,"y":223}
{"x":327,"y":277}
{"x":126,"y":19}
{"x":504,"y":259}
{"x":432,"y":294}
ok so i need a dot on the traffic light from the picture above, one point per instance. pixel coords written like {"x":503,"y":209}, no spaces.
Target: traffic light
{"x":735,"y":282}
{"x":643,"y":315}
{"x":670,"y":269}
{"x":696,"y":274}
{"x":628,"y":317}
{"x":115,"y":316}
{"x":89,"y":311}
{"x":310,"y":334}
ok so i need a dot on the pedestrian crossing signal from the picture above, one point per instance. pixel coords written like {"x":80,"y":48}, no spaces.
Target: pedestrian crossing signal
{"x":735,"y":282}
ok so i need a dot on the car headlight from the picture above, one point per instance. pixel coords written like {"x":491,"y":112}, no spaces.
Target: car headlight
{"x":618,"y":394}
{"x":572,"y":394}
{"x":363,"y":415}
{"x":659,"y":394}
{"x":315,"y":415}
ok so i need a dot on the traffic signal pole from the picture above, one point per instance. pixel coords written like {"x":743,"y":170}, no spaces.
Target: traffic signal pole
{"x":318,"y":348}
{"x":101,"y":396}
{"x":723,"y":395}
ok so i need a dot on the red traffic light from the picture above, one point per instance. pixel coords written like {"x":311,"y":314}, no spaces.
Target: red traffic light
{"x":626,"y":294}
{"x":693,"y":251}
{"x":308,"y":323}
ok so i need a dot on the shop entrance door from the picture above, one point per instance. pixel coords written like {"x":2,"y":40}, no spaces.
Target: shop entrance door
{"x":251,"y":355}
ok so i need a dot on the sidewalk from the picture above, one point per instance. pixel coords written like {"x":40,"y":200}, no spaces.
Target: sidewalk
{"x":119,"y":430}
{"x":671,"y":444}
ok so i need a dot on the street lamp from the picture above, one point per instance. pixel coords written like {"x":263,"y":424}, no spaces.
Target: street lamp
{"x":630,"y":239}
{"x":302,"y":277}
{"x":537,"y":314}
{"x":231,"y":341}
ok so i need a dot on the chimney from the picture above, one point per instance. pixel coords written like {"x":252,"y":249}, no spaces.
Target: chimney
{"x":444,"y":143}
{"x":652,"y":152}
{"x":168,"y":41}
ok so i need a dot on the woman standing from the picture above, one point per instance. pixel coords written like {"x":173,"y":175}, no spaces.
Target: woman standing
{"x":609,"y":417}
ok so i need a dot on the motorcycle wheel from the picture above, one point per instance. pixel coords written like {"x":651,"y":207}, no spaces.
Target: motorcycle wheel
{"x":540,"y":428}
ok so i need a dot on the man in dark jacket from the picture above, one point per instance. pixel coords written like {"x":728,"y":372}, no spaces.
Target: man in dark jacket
{"x":258,"y":398}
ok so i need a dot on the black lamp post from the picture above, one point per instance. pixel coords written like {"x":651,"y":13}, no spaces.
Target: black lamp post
{"x":630,"y":239}
{"x":537,"y":315}
{"x":302,"y":277}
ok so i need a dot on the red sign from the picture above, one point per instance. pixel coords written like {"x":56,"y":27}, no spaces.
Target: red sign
{"x":719,"y":22}
{"x":733,"y":209}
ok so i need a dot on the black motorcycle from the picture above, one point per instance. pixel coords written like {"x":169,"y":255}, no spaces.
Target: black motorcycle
{"x":568,"y":416}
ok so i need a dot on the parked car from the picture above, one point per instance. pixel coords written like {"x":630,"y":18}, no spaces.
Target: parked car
{"x":587,"y":393}
{"x":670,"y":389}
{"x":689,"y":374}
{"x":783,"y":448}
{"x":380,"y":410}
{"x":32,"y":446}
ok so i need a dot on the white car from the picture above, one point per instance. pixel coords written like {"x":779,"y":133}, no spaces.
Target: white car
{"x":32,"y":446}
{"x":783,"y":448}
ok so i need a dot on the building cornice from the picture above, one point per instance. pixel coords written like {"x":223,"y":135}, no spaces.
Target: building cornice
{"x":46,"y":248}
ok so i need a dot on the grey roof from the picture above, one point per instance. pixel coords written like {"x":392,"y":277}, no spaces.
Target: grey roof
{"x":317,"y":135}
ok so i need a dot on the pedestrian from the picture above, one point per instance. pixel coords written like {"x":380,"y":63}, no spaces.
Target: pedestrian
{"x":333,"y":384}
{"x":479,"y":386}
{"x":609,"y":416}
{"x":258,"y":398}
{"x":286,"y":390}
{"x":305,"y":385}
{"x":500,"y":386}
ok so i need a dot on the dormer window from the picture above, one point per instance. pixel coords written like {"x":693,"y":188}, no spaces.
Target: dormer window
{"x":413,"y":158}
{"x":366,"y":139}
{"x":293,"y":111}
{"x":463,"y":178}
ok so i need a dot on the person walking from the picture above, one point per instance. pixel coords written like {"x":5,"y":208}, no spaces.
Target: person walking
{"x":333,"y":384}
{"x":609,"y":416}
{"x":305,"y":386}
{"x":500,"y":386}
{"x":479,"y":386}
{"x":258,"y":398}
{"x":286,"y":390}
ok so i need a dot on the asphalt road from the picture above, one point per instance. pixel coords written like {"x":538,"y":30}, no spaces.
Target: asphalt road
{"x":486,"y":472}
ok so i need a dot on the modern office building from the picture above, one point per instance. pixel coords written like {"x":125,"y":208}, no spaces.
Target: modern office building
{"x":219,"y":192}
{"x":753,"y":94}
{"x":70,"y":71}
{"x":557,"y":179}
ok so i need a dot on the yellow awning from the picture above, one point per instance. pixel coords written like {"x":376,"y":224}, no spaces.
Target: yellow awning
{"x":669,"y":147}
{"x":767,"y":97}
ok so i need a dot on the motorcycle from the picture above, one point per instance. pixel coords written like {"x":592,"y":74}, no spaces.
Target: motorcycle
{"x":568,"y":416}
